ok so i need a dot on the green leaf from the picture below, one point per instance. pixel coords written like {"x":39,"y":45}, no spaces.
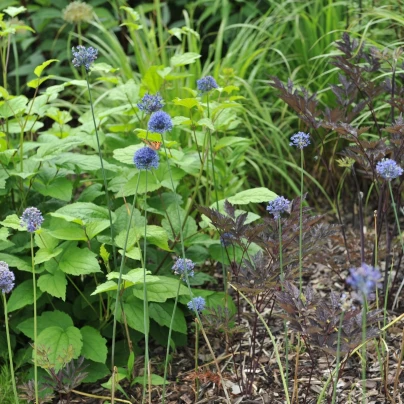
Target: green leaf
{"x":156,"y":380}
{"x":46,"y":319}
{"x":129,"y":188}
{"x":187,"y":102}
{"x":162,"y":314}
{"x":206,"y":122}
{"x":43,"y":255}
{"x":254,"y":195}
{"x":22,"y":295}
{"x":35,"y":83}
{"x":184,"y":59}
{"x":59,"y":188}
{"x":58,"y":341}
{"x":175,"y":222}
{"x":39,"y":69}
{"x":94,"y":345}
{"x":77,"y":261}
{"x":105,"y":287}
{"x":69,"y":231}
{"x":134,"y":314}
{"x":152,"y":80}
{"x":23,"y":264}
{"x":54,"y":283}
{"x":161,"y":290}
{"x":14,"y":11}
{"x":126,"y":154}
{"x":155,"y":235}
{"x":13,"y":107}
{"x":230,"y":141}
{"x":96,"y":371}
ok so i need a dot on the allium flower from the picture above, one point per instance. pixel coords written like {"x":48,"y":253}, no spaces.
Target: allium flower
{"x":226,"y":239}
{"x":160,"y":122}
{"x":363,"y":280}
{"x":300,"y":140}
{"x":7,"y":278}
{"x":151,"y":103}
{"x":84,"y":56}
{"x":181,"y":267}
{"x":146,"y":158}
{"x":278,"y":206}
{"x":388,"y":169}
{"x":77,"y":11}
{"x":197,"y":304}
{"x":32,"y":219}
{"x":206,"y":84}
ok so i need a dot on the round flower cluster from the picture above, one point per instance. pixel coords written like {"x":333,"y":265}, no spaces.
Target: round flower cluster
{"x":388,"y":169}
{"x":184,"y":266}
{"x":160,"y":122}
{"x":7,"y":278}
{"x":84,"y":56}
{"x":151,"y":103}
{"x":206,"y":84}
{"x":364,"y":280}
{"x":197,"y":304}
{"x":32,"y":219}
{"x":278,"y":206}
{"x":77,"y":11}
{"x":300,"y":140}
{"x":146,"y":158}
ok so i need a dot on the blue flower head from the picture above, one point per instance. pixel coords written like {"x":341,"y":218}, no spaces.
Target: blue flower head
{"x":184,"y":266}
{"x":197,"y":304}
{"x":300,"y":140}
{"x":160,"y":122}
{"x":7,"y":278}
{"x":32,"y":219}
{"x":146,"y":158}
{"x":151,"y":103}
{"x":84,"y":56}
{"x":278,"y":206}
{"x":363,"y":280}
{"x":206,"y":84}
{"x":388,"y":169}
{"x":226,"y":239}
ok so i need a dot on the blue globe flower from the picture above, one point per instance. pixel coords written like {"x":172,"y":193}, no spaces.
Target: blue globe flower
{"x":151,"y":103}
{"x":32,"y":219}
{"x":184,"y":266}
{"x":7,"y":278}
{"x":300,"y":140}
{"x":160,"y":122}
{"x":146,"y":158}
{"x":388,"y":169}
{"x":278,"y":206}
{"x":364,"y":280}
{"x":84,"y":56}
{"x":206,"y":84}
{"x":197,"y":304}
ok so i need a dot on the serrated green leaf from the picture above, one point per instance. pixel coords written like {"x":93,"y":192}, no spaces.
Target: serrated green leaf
{"x":161,"y":290}
{"x":254,"y":195}
{"x":187,"y":102}
{"x":39,"y":69}
{"x":134,"y":315}
{"x":206,"y":122}
{"x":152,"y":80}
{"x":22,"y":295}
{"x":59,"y":188}
{"x":230,"y":141}
{"x":184,"y":59}
{"x":77,"y":261}
{"x":54,"y":283}
{"x":155,"y":235}
{"x":44,"y":254}
{"x":58,"y":341}
{"x":162,"y":313}
{"x":35,"y":83}
{"x":23,"y":264}
{"x":94,"y":345}
{"x":129,"y":188}
{"x":14,"y":11}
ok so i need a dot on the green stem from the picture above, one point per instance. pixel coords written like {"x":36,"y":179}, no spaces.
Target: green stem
{"x":364,"y":311}
{"x":35,"y":321}
{"x":103,"y":175}
{"x":196,"y":355}
{"x":301,"y":222}
{"x":10,"y":353}
{"x":117,"y":299}
{"x":334,"y":392}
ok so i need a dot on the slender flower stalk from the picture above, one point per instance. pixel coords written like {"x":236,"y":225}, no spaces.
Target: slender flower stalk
{"x":7,"y":279}
{"x":300,"y":140}
{"x":32,"y":219}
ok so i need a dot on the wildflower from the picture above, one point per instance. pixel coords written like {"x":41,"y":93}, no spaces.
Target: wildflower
{"x":206,"y":84}
{"x":388,"y":169}
{"x":363,"y":279}
{"x":184,"y":266}
{"x":77,"y":12}
{"x":32,"y":219}
{"x":300,"y":140}
{"x":7,"y":278}
{"x":146,"y":158}
{"x":197,"y":304}
{"x":84,"y":56}
{"x":278,"y":206}
{"x":151,"y":103}
{"x":226,"y":239}
{"x":160,"y":122}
